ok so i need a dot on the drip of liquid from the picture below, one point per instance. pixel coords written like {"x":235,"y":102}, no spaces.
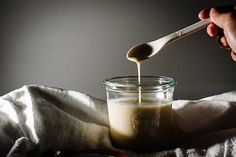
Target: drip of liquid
{"x":139,"y":82}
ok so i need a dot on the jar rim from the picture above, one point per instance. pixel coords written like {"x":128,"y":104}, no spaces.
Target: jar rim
{"x":147,"y":83}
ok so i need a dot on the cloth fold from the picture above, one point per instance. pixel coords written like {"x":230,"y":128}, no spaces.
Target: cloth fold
{"x":34,"y":119}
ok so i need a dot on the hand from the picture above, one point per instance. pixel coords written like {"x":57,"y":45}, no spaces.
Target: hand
{"x":223,"y":18}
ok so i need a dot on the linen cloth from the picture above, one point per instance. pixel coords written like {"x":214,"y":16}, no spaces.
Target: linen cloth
{"x":34,"y":119}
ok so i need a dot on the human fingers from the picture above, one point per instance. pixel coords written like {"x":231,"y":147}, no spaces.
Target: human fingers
{"x":233,"y":55}
{"x":204,"y":14}
{"x":212,"y":30}
{"x":224,"y":42}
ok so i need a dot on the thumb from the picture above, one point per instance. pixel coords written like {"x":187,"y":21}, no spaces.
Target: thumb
{"x":218,"y":18}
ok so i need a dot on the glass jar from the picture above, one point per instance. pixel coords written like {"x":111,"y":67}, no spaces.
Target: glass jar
{"x":140,"y":114}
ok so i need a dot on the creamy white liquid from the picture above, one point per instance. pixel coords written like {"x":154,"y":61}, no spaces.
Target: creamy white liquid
{"x":139,"y":82}
{"x":145,"y":125}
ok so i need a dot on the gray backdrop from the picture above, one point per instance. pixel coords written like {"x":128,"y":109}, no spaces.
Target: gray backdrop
{"x":76,"y":44}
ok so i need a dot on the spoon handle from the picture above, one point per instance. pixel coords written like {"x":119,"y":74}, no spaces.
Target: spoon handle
{"x":192,"y":28}
{"x":181,"y":33}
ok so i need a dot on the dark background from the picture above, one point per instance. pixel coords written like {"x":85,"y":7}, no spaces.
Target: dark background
{"x":76,"y":44}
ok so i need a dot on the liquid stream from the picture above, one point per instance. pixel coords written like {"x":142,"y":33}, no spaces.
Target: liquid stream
{"x":139,"y":82}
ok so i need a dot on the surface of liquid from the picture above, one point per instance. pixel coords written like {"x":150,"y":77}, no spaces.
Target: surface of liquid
{"x":140,"y":127}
